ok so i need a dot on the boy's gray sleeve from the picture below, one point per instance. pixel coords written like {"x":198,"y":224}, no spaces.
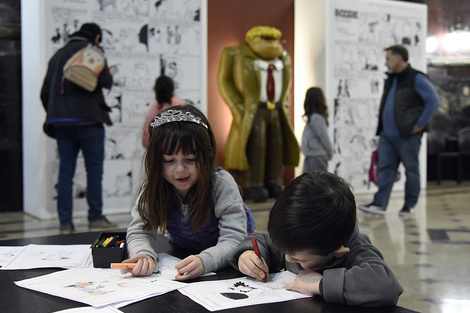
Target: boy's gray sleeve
{"x":273,"y":257}
{"x":369,"y":283}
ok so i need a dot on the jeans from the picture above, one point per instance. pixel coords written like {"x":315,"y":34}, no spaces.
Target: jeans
{"x":90,"y":139}
{"x":392,"y":151}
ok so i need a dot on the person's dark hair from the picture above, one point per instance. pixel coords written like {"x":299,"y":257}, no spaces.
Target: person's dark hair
{"x":316,"y":212}
{"x":164,"y":88}
{"x":400,"y":50}
{"x":90,"y":31}
{"x":315,"y":102}
{"x":158,"y":195}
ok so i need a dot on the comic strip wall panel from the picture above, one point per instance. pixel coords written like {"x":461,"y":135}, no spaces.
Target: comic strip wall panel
{"x":357,"y":33}
{"x":142,"y":40}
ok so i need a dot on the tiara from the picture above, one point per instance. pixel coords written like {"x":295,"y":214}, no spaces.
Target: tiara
{"x":176,"y":116}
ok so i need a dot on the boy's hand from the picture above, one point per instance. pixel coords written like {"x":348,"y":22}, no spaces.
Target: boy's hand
{"x":307,"y":282}
{"x":189,"y":268}
{"x":250,"y":264}
{"x":144,"y":267}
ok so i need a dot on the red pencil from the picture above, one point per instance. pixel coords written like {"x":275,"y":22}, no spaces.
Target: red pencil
{"x":255,"y":246}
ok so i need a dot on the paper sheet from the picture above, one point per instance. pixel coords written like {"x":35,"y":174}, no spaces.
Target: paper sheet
{"x":8,"y":254}
{"x":164,"y":274}
{"x":39,"y":256}
{"x":90,"y":309}
{"x":243,"y":291}
{"x":166,"y":267}
{"x":95,"y":287}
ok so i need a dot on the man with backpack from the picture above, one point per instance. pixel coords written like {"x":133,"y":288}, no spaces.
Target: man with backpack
{"x":75,"y":118}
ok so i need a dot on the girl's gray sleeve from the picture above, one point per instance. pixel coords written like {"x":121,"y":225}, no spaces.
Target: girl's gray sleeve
{"x":318,"y":124}
{"x":138,"y":240}
{"x":232,"y":222}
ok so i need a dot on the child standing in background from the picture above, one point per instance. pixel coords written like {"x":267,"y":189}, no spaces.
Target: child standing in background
{"x":200,"y":207}
{"x":316,"y":145}
{"x":164,"y":93}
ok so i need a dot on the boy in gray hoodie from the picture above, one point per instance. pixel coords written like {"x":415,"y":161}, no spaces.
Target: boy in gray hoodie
{"x":313,"y":232}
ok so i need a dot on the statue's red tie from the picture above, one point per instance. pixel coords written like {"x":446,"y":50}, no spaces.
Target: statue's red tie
{"x":270,"y":86}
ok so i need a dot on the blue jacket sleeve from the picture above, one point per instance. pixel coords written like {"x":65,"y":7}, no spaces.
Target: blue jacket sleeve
{"x":426,"y":90}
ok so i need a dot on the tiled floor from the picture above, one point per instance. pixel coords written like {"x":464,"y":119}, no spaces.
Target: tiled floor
{"x":429,"y":251}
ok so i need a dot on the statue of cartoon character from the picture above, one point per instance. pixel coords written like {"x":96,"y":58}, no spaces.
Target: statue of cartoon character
{"x":254,"y":79}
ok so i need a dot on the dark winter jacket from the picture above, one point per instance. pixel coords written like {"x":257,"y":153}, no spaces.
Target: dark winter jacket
{"x":67,"y":103}
{"x":408,"y":103}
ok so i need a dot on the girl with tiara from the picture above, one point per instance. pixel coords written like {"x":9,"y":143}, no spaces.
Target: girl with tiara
{"x":199,"y":206}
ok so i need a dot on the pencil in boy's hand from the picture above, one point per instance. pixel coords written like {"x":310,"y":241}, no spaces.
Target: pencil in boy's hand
{"x":255,"y":246}
{"x":119,"y":265}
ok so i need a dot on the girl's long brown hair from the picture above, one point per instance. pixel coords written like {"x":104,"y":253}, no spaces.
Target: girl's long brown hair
{"x":315,"y":102}
{"x":157,"y":195}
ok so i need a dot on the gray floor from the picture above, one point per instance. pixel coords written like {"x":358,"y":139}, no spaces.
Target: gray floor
{"x":428,"y":251}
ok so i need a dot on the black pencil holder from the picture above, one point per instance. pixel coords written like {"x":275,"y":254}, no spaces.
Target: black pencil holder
{"x":115,"y":251}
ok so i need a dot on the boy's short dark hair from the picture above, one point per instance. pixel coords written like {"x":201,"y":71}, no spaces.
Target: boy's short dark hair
{"x":400,"y":50}
{"x":315,"y":212}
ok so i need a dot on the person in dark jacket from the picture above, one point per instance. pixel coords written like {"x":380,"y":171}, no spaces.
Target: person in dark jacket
{"x":408,"y":102}
{"x":313,"y":232}
{"x":75,"y":118}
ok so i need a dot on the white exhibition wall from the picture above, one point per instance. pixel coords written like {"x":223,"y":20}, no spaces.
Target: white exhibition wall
{"x":141,"y":40}
{"x":339,"y":47}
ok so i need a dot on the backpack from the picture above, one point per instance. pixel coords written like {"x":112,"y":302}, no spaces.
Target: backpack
{"x":84,"y":67}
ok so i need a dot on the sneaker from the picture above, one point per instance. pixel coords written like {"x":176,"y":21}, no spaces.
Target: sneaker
{"x":101,"y":223}
{"x":66,"y":229}
{"x":406,"y":210}
{"x":372,"y":208}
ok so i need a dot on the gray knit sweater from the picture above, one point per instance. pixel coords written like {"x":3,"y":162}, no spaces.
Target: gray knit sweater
{"x":315,"y":139}
{"x":228,"y":209}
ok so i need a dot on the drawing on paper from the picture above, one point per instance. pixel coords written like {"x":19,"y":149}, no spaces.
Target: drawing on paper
{"x":89,"y":287}
{"x":95,"y":287}
{"x":37,"y":256}
{"x":237,"y":292}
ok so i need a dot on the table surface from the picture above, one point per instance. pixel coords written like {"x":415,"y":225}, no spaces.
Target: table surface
{"x":17,"y":299}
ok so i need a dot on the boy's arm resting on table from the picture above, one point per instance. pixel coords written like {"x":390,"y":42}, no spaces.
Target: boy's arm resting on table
{"x":228,"y":208}
{"x":307,"y":282}
{"x":368,"y":282}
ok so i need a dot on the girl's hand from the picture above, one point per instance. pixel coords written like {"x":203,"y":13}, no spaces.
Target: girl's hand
{"x":250,"y":264}
{"x":144,"y":267}
{"x":307,"y":282}
{"x":191,"y":267}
